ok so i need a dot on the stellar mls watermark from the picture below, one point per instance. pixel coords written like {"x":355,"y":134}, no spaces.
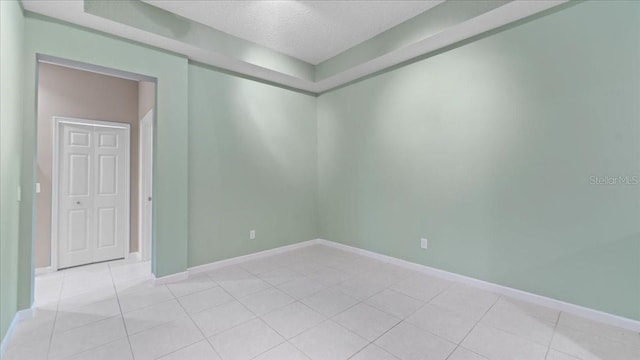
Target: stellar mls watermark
{"x":614,"y":180}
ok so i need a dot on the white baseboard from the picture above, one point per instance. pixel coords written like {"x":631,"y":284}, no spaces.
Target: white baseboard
{"x":184,"y":275}
{"x":226,"y":262}
{"x":20,"y":315}
{"x":135,"y":256}
{"x":578,"y":310}
{"x":253,"y":256}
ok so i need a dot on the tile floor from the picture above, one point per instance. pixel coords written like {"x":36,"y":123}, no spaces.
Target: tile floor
{"x":314,"y":303}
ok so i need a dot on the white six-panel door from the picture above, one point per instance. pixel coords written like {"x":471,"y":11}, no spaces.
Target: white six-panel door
{"x":93,"y":191}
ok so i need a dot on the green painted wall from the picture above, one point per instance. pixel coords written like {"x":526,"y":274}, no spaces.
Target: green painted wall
{"x":11,"y":70}
{"x":54,"y":38}
{"x":488,"y":150}
{"x":252,"y":165}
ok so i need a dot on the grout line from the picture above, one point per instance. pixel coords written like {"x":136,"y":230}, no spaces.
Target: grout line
{"x":474,"y":326}
{"x":92,"y":322}
{"x":124,"y":323}
{"x":555,"y":326}
{"x":55,"y":319}
{"x":197,"y":327}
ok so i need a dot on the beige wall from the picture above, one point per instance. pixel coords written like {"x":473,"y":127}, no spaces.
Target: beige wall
{"x":80,"y":94}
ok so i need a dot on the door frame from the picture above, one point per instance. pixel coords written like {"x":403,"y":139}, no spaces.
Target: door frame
{"x":57,"y":122}
{"x":144,"y":144}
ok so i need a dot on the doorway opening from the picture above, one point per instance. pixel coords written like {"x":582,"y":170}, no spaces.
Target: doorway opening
{"x":90,"y":192}
{"x":94,"y":162}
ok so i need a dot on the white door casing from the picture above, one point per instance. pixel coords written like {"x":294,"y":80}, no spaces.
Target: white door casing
{"x":146,"y":186}
{"x":91,"y":192}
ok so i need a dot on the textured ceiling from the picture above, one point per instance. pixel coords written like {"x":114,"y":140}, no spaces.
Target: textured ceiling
{"x":312,"y":31}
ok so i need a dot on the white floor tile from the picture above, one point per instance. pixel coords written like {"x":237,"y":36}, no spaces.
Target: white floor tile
{"x":513,"y":306}
{"x":284,"y":351}
{"x":199,"y":351}
{"x":143,"y":295}
{"x":422,"y":287}
{"x":37,"y":349}
{"x":467,"y":301}
{"x":387,"y":273}
{"x":329,"y":301}
{"x":267,"y":300}
{"x":463,"y":354}
{"x":305,"y":267}
{"x":301,"y":288}
{"x":260,"y":266}
{"x":117,"y":350}
{"x":31,"y":337}
{"x":223,"y":317}
{"x":329,"y":277}
{"x":38,"y":326}
{"x":373,"y":352}
{"x":360,"y":288}
{"x":329,"y":341}
{"x":152,"y":316}
{"x":293,"y":319}
{"x":366,"y":321}
{"x":589,"y":346}
{"x":86,"y":305}
{"x":71,"y":317}
{"x":499,"y":345}
{"x":568,"y":321}
{"x":409,"y":342}
{"x":194,"y":283}
{"x":279,"y":276}
{"x":395,"y":303}
{"x":74,"y":341}
{"x":243,"y":287}
{"x":229,"y":273}
{"x":79,"y":283}
{"x":164,"y":339}
{"x":86,"y":299}
{"x":126,"y":271}
{"x":206,"y":299}
{"x":557,"y":355}
{"x":520,"y":323}
{"x":441,"y":322}
{"x":130,"y":284}
{"x":246,"y":341}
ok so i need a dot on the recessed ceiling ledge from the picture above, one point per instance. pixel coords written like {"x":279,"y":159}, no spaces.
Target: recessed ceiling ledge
{"x":440,"y":26}
{"x":166,"y":24}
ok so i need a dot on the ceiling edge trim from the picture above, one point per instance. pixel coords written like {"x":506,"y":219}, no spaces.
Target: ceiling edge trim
{"x":486,"y":24}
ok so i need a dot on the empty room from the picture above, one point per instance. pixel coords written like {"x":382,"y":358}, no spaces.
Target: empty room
{"x":320,"y":180}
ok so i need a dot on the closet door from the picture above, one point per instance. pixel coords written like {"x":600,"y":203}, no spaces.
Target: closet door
{"x":111,"y":205}
{"x":93,"y":193}
{"x":75,"y":195}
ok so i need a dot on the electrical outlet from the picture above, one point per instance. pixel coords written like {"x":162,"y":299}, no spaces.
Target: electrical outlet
{"x":424,"y":243}
{"x":252,"y":235}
